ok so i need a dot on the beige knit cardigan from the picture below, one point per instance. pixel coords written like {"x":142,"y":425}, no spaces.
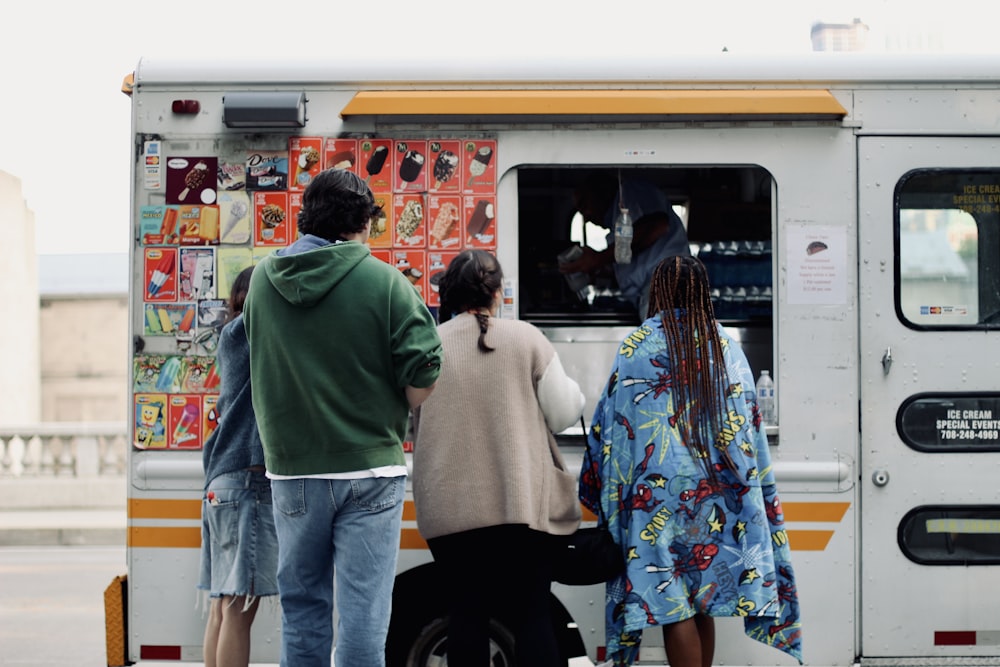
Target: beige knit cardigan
{"x":484,"y":454}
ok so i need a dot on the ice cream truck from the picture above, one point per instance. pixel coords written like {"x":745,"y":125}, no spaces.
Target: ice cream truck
{"x":847,"y":208}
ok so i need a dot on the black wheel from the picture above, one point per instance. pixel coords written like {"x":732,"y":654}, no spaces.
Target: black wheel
{"x":429,"y":647}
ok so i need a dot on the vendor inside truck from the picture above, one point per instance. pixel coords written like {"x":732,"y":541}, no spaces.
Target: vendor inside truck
{"x":657,"y":232}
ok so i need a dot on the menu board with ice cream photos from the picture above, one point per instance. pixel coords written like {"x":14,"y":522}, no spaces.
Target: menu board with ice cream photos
{"x":231,"y":175}
{"x":198,"y":225}
{"x":412,"y":263}
{"x":213,"y":215}
{"x":409,"y":174}
{"x":446,"y":166}
{"x":480,"y":216}
{"x":267,"y":170}
{"x":150,"y":426}
{"x":191,"y":180}
{"x":376,"y":167}
{"x":437,"y":262}
{"x":305,"y":158}
{"x":271,"y":222}
{"x":411,"y":223}
{"x":160,"y":274}
{"x":444,"y":220}
{"x":234,"y":214}
{"x":382,"y":224}
{"x":157,"y":225}
{"x":209,"y":415}
{"x":196,"y":279}
{"x":184,"y":422}
{"x":170,"y":319}
{"x":480,"y":166}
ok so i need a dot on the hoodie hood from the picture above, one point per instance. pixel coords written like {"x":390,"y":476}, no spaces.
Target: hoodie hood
{"x":306,"y":271}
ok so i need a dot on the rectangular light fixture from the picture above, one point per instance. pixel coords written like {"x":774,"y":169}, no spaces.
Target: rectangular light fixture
{"x":264,"y":109}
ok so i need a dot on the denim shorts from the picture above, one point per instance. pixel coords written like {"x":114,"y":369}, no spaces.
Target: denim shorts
{"x":239,"y":548}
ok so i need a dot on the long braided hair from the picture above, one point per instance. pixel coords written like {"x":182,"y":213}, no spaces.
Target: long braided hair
{"x":680,"y":293}
{"x":470,"y":284}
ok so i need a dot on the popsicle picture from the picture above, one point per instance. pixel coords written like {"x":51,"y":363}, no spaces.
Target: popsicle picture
{"x":161,"y":273}
{"x":189,"y":418}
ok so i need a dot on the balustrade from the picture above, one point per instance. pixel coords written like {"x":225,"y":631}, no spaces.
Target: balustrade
{"x":79,"y":450}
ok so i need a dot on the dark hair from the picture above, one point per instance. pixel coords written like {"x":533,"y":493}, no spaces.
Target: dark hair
{"x":238,"y":292}
{"x":469,"y":283}
{"x":680,"y":293}
{"x":336,"y":202}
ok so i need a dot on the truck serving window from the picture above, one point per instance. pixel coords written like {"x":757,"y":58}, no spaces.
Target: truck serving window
{"x":947,"y":225}
{"x":727,"y":213}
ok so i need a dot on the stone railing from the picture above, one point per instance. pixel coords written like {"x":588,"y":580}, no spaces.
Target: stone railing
{"x":76,"y":450}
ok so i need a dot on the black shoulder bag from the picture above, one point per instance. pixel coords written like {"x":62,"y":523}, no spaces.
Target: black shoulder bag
{"x":588,"y":556}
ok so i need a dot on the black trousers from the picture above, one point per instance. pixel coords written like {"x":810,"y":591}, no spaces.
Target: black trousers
{"x":504,"y":572}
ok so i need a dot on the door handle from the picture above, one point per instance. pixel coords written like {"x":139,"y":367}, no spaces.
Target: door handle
{"x":887,"y":361}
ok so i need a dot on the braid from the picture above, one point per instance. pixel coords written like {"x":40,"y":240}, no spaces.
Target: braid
{"x":470,"y":284}
{"x":484,"y":323}
{"x":680,"y":292}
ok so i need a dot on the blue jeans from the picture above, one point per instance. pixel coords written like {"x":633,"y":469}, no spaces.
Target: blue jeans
{"x":343,"y":527}
{"x":239,"y":548}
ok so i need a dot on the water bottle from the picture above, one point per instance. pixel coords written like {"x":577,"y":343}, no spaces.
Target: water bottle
{"x":765,"y":398}
{"x":623,"y":237}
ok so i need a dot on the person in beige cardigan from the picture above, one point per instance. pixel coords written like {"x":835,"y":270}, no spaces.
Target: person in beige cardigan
{"x":490,"y":487}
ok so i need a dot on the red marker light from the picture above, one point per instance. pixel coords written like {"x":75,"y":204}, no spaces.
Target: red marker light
{"x":186,"y":106}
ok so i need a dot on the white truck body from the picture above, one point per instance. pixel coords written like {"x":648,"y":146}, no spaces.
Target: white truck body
{"x":883,"y":346}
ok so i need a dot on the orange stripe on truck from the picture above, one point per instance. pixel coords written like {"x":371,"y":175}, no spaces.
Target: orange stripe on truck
{"x":819,"y":512}
{"x":808,"y":540}
{"x":159,"y":508}
{"x":169,"y":537}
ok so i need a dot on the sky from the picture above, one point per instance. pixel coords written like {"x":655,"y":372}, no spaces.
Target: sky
{"x":65,"y":124}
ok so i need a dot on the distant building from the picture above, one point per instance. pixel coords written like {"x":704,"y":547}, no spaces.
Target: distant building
{"x":85,"y":352}
{"x":839,"y":36}
{"x":19,"y":351}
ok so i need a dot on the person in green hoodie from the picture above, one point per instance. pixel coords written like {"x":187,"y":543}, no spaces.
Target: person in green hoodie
{"x":342,"y":346}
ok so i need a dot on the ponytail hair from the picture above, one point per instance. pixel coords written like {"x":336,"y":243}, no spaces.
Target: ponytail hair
{"x":470,"y":283}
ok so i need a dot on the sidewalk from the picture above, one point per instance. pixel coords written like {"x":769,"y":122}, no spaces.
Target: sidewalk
{"x":62,"y":527}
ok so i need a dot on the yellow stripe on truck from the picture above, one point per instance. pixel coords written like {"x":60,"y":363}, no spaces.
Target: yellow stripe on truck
{"x":816,"y":104}
{"x":190,"y":537}
{"x":164,"y":537}
{"x":159,"y":508}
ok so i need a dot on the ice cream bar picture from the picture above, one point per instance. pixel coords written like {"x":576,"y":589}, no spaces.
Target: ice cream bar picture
{"x":481,"y":160}
{"x":481,"y":218}
{"x":409,"y":168}
{"x":192,"y":180}
{"x":344,"y":160}
{"x":376,"y":161}
{"x":444,"y":168}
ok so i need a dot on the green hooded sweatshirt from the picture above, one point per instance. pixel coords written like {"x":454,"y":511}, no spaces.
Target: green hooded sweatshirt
{"x":335,"y":337}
